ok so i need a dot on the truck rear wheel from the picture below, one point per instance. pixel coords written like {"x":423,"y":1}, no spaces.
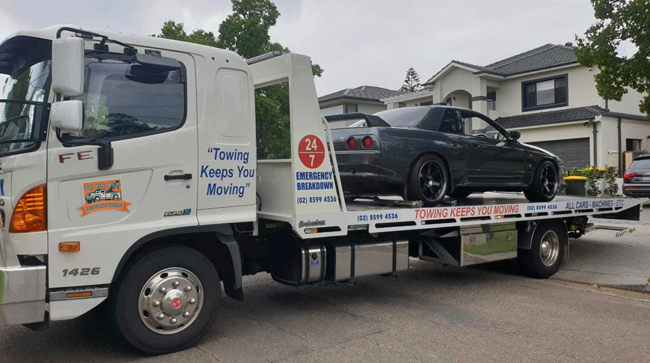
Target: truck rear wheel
{"x":166,"y":300}
{"x":546,"y":252}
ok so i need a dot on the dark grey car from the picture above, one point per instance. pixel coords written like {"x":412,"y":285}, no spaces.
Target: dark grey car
{"x":427,"y":152}
{"x":636,"y":180}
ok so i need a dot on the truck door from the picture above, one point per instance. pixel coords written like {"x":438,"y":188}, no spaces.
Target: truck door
{"x":147,"y":113}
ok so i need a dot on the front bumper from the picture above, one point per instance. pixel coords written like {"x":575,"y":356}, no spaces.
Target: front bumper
{"x":22,"y":295}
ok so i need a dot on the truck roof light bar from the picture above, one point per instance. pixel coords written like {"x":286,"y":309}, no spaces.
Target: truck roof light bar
{"x":264,"y":57}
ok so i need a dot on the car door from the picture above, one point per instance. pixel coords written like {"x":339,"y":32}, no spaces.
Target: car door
{"x":493,"y":158}
{"x":146,"y":114}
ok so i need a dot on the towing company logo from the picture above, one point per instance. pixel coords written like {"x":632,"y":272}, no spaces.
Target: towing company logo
{"x":103,"y":195}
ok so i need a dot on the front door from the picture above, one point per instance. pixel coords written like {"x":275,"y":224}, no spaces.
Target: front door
{"x":146,"y":114}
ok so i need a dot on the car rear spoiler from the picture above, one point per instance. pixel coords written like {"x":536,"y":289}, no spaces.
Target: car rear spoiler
{"x":371,"y":120}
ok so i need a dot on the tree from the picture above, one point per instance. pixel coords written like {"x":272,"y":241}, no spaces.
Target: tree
{"x":176,"y":31}
{"x":412,"y":81}
{"x":619,"y":21}
{"x":246,"y":32}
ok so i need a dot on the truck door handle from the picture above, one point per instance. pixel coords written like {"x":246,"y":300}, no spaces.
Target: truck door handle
{"x":186,"y":176}
{"x":476,"y":144}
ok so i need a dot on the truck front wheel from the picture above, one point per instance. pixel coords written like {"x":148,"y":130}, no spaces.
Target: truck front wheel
{"x":166,"y":300}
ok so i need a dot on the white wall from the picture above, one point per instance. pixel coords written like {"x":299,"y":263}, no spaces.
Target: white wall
{"x":334,"y":110}
{"x":368,"y":108}
{"x":608,"y":137}
{"x":454,"y":80}
{"x":582,"y":91}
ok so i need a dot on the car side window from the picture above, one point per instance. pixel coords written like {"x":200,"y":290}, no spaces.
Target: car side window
{"x":123,"y":98}
{"x":451,"y":122}
{"x":476,"y":125}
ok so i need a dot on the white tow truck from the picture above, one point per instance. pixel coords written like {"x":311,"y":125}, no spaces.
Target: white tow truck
{"x":169,"y":127}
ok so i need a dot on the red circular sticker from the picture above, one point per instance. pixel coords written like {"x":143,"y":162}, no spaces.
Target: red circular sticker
{"x":176,"y":303}
{"x":311,"y":151}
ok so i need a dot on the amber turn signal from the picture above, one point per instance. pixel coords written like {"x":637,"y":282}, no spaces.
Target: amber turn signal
{"x":69,"y":247}
{"x":75,"y":295}
{"x":30,"y":214}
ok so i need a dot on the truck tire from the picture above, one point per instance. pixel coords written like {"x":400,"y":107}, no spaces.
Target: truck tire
{"x":428,"y":180}
{"x":165,"y":300}
{"x":546,"y":252}
{"x":545,"y":183}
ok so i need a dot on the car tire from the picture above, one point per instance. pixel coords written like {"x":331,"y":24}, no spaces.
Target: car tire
{"x":96,"y":199}
{"x":428,"y":180}
{"x":545,"y":183}
{"x":138,"y":296}
{"x":460,"y":195}
{"x":546,"y":252}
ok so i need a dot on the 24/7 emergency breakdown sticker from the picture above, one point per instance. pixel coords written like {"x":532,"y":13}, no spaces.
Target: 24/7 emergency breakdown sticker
{"x":103,"y":195}
{"x":311,"y":151}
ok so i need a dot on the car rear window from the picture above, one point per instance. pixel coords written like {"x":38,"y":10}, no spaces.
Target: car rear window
{"x":643,"y":164}
{"x":404,"y":117}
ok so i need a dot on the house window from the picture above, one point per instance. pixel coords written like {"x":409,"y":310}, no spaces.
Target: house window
{"x":545,"y":93}
{"x":351,"y":108}
{"x":426,"y":103}
{"x":491,"y":101}
{"x":632,"y":144}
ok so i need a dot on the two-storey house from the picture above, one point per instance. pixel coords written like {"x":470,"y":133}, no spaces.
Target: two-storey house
{"x":547,"y":96}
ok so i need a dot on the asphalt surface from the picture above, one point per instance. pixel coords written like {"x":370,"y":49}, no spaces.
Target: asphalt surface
{"x":429,"y":313}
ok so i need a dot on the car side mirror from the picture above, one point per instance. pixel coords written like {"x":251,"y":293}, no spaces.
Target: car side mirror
{"x":67,"y":116}
{"x":514,"y":135}
{"x":68,"y":66}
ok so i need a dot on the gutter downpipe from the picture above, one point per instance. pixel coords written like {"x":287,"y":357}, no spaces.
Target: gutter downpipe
{"x":620,"y":148}
{"x":595,"y":136}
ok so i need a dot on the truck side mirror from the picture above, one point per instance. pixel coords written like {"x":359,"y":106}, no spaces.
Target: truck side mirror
{"x":67,"y":116}
{"x":514,"y":135}
{"x":68,"y":66}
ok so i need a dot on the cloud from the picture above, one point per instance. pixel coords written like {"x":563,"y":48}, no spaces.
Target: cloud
{"x":357,"y":42}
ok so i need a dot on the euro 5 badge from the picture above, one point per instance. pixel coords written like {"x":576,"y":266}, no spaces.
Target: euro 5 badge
{"x":103,"y":195}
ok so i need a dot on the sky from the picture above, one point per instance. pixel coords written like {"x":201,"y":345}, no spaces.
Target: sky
{"x":356,"y":42}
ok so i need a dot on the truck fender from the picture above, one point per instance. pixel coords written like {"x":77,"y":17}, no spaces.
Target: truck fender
{"x":229,"y":257}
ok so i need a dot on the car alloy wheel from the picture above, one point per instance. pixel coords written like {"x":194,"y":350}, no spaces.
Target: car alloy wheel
{"x":170,"y":300}
{"x":432,"y":180}
{"x":548,"y":181}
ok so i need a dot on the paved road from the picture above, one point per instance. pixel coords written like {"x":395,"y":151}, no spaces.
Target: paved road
{"x":429,"y":313}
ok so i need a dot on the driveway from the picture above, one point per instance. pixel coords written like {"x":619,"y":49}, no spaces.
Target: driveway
{"x":429,"y":313}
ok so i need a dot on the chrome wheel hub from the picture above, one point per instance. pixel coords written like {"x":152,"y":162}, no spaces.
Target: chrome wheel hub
{"x":170,"y":300}
{"x":549,"y":248}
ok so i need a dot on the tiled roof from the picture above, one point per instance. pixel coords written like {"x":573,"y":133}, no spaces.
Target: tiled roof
{"x":368,"y":93}
{"x":561,"y":116}
{"x":546,"y":56}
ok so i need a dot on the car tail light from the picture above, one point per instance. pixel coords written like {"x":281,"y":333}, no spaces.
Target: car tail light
{"x":627,"y":176}
{"x":366,"y":142}
{"x":352,"y":143}
{"x":30,"y":214}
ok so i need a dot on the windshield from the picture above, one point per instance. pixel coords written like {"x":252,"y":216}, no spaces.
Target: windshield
{"x":404,"y":117}
{"x":24,"y":82}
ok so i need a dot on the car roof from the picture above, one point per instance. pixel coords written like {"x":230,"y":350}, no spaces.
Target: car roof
{"x":643,"y":156}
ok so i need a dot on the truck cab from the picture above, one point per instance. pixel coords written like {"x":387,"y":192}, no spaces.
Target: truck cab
{"x":100,"y":146}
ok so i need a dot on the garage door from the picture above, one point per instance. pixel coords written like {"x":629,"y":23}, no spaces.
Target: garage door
{"x":574,"y":152}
